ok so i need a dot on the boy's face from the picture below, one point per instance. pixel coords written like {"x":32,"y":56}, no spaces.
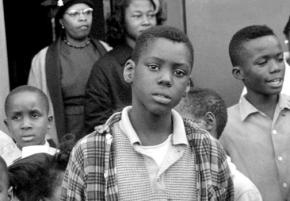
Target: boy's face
{"x":161,"y":76}
{"x":27,"y":119}
{"x":139,"y":16}
{"x":263,"y":68}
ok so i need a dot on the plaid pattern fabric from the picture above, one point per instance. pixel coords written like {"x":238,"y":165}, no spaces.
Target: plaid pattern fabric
{"x":91,"y":172}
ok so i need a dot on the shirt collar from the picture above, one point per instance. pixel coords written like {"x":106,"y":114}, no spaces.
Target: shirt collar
{"x":178,"y":136}
{"x":33,"y":149}
{"x":246,"y":108}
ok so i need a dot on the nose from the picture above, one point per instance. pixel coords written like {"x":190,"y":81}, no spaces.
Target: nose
{"x":26,"y":123}
{"x":165,"y":78}
{"x":82,"y":16}
{"x":277,"y":66}
{"x":146,"y":20}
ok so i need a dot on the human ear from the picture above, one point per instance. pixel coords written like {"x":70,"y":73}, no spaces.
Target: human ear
{"x":50,"y":119}
{"x":210,"y":120}
{"x":238,"y":72}
{"x":6,"y":123}
{"x":129,"y":71}
{"x":61,"y":23}
{"x":11,"y":196}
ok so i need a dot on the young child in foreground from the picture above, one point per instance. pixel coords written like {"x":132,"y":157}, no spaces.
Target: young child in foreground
{"x":147,"y":151}
{"x":208,"y":110}
{"x":27,"y":120}
{"x":38,"y":177}
{"x":5,"y":189}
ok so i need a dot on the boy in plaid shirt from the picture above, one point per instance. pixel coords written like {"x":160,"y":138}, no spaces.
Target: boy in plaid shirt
{"x":147,"y":151}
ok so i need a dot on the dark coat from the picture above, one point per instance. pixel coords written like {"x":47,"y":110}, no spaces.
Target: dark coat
{"x":107,"y":91}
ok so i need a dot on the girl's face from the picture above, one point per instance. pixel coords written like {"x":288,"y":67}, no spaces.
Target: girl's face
{"x":139,"y":16}
{"x":77,"y":21}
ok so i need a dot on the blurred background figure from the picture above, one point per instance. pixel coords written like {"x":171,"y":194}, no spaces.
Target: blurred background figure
{"x":62,"y":69}
{"x":208,"y":110}
{"x":107,"y":90}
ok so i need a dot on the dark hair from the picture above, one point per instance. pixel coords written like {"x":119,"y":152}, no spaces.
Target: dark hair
{"x":287,"y":27}
{"x":199,"y":101}
{"x":26,"y":88}
{"x":116,"y":22}
{"x":4,"y":171}
{"x":36,"y":177}
{"x":166,"y":32}
{"x":243,"y":35}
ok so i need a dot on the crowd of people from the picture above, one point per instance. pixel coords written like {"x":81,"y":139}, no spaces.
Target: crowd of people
{"x":121,"y":120}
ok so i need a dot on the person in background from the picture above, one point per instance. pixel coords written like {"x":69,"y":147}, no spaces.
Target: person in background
{"x":107,"y":91}
{"x":28,"y":121}
{"x":257,"y":132}
{"x":62,"y":69}
{"x":208,"y":110}
{"x":6,"y":193}
{"x":286,"y":82}
{"x":147,"y":151}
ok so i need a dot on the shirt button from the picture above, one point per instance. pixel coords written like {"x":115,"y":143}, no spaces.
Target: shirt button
{"x":280,"y":158}
{"x":274,"y":132}
{"x":284,"y":185}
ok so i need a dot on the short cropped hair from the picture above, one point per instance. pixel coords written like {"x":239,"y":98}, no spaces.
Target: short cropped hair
{"x":167,"y":32}
{"x":287,"y":27}
{"x":244,"y":35}
{"x":199,"y":101}
{"x":26,"y":88}
{"x":116,"y":30}
{"x":4,"y":171}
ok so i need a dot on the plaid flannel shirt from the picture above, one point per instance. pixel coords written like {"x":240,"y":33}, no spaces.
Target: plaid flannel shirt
{"x":91,"y":171}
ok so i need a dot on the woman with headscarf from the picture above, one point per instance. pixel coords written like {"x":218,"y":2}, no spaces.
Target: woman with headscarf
{"x":62,"y":69}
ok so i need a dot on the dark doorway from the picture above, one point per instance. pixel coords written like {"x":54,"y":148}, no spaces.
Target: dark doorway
{"x":28,"y":30}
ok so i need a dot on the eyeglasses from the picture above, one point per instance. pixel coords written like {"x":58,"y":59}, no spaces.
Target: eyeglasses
{"x":77,"y":13}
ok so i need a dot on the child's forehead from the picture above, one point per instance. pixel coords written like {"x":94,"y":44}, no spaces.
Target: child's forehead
{"x":26,"y":99}
{"x":163,"y":46}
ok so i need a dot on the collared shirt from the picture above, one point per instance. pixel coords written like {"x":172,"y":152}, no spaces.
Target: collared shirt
{"x":244,"y":188}
{"x":259,"y":146}
{"x":91,"y":172}
{"x":34,"y":149}
{"x":174,"y":148}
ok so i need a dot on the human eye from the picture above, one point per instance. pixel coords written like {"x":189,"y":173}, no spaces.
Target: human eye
{"x":88,"y":11}
{"x":73,"y":13}
{"x":153,"y":67}
{"x":35,"y":115}
{"x":151,"y":15}
{"x":280,"y":58}
{"x":180,"y":73}
{"x":261,"y":62}
{"x":137,"y":15}
{"x":16,"y":117}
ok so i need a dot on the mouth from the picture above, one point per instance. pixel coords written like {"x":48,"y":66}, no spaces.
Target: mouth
{"x":84,"y":27}
{"x":27,"y":138}
{"x":278,"y":82}
{"x":162,"y":98}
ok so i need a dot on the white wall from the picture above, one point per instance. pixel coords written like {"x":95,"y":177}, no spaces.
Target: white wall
{"x":211,"y":24}
{"x":4,"y":78}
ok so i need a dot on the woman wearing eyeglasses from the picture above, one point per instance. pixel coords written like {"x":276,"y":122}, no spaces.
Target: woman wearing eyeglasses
{"x":62,"y":69}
